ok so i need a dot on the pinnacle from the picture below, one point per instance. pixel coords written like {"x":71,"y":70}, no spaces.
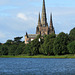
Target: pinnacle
{"x":51,"y":19}
{"x":51,"y":23}
{"x":39,"y":21}
{"x":39,"y":17}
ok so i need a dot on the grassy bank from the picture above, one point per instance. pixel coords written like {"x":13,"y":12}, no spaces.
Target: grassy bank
{"x":37,"y":56}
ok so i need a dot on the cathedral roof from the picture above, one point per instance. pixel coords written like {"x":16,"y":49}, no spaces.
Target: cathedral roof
{"x":32,"y":35}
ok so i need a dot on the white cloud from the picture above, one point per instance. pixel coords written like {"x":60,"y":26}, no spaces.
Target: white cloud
{"x":22,"y":16}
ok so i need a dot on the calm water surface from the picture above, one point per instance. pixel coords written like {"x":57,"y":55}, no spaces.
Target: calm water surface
{"x":36,"y":66}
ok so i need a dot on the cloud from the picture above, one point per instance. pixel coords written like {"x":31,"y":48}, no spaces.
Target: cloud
{"x":22,"y":16}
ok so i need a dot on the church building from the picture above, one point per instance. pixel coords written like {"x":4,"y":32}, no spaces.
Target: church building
{"x":42,"y":27}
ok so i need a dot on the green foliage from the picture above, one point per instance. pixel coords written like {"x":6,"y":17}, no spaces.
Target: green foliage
{"x":27,"y":49}
{"x":19,"y":49}
{"x":12,"y":48}
{"x":0,"y":43}
{"x":35,"y":45}
{"x":60,"y":44}
{"x":17,"y":40}
{"x":9,"y":42}
{"x":38,"y":56}
{"x":71,"y":47}
{"x":72,"y":34}
{"x":47,"y":46}
{"x":3,"y":50}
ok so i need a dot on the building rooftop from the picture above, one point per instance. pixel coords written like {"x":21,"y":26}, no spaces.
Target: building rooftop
{"x":32,"y":35}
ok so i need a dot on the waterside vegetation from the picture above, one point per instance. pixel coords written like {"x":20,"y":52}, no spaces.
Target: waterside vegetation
{"x":50,"y":46}
{"x":38,"y":56}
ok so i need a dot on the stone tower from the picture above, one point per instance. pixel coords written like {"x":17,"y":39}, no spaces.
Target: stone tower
{"x":42,"y":27}
{"x":26,"y":38}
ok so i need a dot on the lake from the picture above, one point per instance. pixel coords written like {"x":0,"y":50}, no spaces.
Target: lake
{"x":36,"y":66}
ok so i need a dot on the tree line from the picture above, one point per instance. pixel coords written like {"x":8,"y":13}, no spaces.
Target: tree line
{"x":51,"y":44}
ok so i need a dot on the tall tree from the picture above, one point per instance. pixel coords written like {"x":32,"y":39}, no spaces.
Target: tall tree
{"x":4,"y":50}
{"x":9,"y":42}
{"x":71,"y":47}
{"x":72,"y":34}
{"x":47,"y":46}
{"x":19,"y":49}
{"x":12,"y":48}
{"x":35,"y":45}
{"x":27,"y":49}
{"x":17,"y":39}
{"x":60,"y":44}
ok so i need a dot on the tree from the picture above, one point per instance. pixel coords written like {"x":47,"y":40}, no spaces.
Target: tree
{"x":9,"y":42}
{"x":47,"y":46}
{"x":72,"y":34}
{"x":60,"y":44}
{"x":12,"y":48}
{"x":0,"y":49}
{"x":19,"y":49}
{"x":35,"y":45}
{"x":71,"y":47}
{"x":17,"y":39}
{"x":0,"y":43}
{"x":51,"y":42}
{"x":4,"y":50}
{"x":27,"y":49}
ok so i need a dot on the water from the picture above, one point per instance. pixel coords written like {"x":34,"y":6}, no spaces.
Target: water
{"x":36,"y":66}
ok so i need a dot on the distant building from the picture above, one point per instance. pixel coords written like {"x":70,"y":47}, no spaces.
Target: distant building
{"x":29,"y":37}
{"x":42,"y":27}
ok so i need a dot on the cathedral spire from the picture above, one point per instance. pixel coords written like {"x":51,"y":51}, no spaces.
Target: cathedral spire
{"x":44,"y":19}
{"x":51,"y":23}
{"x":39,"y":21}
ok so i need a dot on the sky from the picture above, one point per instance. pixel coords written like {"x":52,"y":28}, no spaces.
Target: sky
{"x":20,"y":16}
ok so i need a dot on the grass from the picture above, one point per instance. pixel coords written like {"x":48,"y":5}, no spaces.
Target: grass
{"x":38,"y":56}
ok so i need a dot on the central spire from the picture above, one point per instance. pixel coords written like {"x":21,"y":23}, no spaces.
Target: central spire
{"x":44,"y":19}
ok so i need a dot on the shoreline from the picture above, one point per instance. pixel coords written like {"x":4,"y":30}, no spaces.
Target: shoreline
{"x":37,"y":56}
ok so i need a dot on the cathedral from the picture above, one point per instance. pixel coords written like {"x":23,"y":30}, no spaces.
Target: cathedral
{"x":42,"y":27}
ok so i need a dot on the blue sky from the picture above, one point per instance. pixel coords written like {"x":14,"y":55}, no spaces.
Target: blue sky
{"x":19,"y":16}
